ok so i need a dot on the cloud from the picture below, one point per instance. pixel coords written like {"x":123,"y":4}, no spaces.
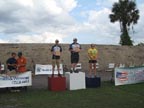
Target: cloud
{"x":43,"y":21}
{"x":99,"y":27}
{"x":3,"y":41}
{"x":138,"y":35}
{"x":105,"y":3}
{"x":46,"y":37}
{"x":32,"y":15}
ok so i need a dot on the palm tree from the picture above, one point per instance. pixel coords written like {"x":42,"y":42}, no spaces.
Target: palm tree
{"x":126,"y":13}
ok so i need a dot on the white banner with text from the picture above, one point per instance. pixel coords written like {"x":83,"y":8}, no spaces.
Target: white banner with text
{"x":46,"y":69}
{"x":16,"y":80}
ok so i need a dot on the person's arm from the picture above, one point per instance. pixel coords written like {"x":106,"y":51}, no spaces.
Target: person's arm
{"x":79,"y":49}
{"x":52,"y":51}
{"x":23,"y":63}
{"x":60,"y":50}
{"x":70,"y":48}
{"x":96,"y":54}
{"x":89,"y":55}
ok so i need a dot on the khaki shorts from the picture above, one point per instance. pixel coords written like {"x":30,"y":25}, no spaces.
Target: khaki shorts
{"x":13,"y":72}
{"x":56,"y":62}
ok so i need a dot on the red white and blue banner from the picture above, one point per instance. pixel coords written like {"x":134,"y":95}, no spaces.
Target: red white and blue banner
{"x":16,"y":80}
{"x":46,"y":69}
{"x":129,"y":75}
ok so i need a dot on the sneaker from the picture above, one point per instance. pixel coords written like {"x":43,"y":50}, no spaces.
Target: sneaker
{"x":76,"y":71}
{"x":59,"y":75}
{"x":71,"y":71}
{"x":52,"y":75}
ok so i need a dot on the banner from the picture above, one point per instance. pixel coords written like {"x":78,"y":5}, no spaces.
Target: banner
{"x":46,"y":69}
{"x":17,"y":80}
{"x":129,"y":75}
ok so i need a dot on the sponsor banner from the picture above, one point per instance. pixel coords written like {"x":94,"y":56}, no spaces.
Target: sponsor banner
{"x":130,"y":75}
{"x":16,"y":80}
{"x":46,"y":69}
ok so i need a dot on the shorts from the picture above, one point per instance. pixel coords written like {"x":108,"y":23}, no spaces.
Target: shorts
{"x":12,"y":72}
{"x":74,"y":58}
{"x":55,"y":57}
{"x":56,"y":62}
{"x":92,"y":61}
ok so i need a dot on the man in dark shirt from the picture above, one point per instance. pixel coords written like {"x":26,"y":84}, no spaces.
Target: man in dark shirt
{"x":56,"y":54}
{"x":11,"y":63}
{"x":11,"y":69}
{"x":74,"y":48}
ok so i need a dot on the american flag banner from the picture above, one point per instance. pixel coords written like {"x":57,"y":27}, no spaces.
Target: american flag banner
{"x":122,"y":76}
{"x":128,"y":75}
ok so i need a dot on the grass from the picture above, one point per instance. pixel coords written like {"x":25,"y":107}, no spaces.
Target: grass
{"x":107,"y":96}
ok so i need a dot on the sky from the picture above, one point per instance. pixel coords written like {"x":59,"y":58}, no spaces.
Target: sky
{"x":44,"y":21}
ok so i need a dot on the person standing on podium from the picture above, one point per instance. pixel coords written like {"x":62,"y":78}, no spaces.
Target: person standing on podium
{"x":74,"y":48}
{"x":92,"y":54}
{"x":56,"y":54}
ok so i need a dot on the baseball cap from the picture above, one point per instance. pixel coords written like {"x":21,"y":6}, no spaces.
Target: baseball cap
{"x":56,"y":40}
{"x":74,"y":39}
{"x":19,"y":53}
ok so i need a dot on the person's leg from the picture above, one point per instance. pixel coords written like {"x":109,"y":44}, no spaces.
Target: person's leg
{"x":76,"y":60}
{"x":90,"y":69}
{"x":71,"y":70}
{"x":94,"y":68}
{"x":53,"y":67}
{"x":72,"y":64}
{"x":58,"y":66}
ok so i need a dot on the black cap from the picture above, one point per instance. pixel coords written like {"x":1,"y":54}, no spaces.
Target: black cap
{"x":75,"y":39}
{"x":19,"y":53}
{"x":56,"y":40}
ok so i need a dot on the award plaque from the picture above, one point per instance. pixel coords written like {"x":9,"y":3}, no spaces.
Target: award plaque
{"x":57,"y":53}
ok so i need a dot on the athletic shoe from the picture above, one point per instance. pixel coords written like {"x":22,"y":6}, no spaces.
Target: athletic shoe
{"x":59,"y":75}
{"x":76,"y":71}
{"x":52,"y":75}
{"x":71,"y":71}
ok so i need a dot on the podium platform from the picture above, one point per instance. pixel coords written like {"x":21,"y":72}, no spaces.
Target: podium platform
{"x":93,"y":82}
{"x":75,"y":81}
{"x":57,"y":83}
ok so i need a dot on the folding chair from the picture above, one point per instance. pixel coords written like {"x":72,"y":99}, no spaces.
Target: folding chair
{"x":121,"y":65}
{"x":97,"y":65}
{"x":2,"y":68}
{"x":110,"y":68}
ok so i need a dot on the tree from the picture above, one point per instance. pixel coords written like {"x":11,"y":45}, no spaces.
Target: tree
{"x":126,"y":13}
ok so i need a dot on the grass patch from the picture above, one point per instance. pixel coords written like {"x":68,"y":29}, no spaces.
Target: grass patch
{"x":107,"y":96}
